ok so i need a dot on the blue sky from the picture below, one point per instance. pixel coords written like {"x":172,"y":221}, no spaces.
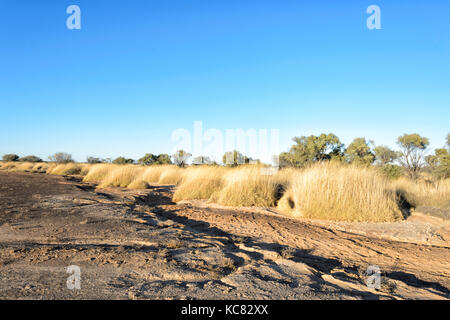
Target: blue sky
{"x":138,"y":70}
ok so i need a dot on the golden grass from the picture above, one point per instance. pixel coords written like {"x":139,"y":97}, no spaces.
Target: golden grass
{"x":153,"y":173}
{"x":98,"y":172}
{"x":40,"y":167}
{"x":337,"y":192}
{"x":171,"y":175}
{"x":246,"y":186}
{"x":122,"y":176}
{"x":138,"y":184}
{"x":424,"y":193}
{"x":199,"y":183}
{"x":66,"y":169}
{"x":323,"y":191}
{"x":8,"y":165}
{"x":22,"y":166}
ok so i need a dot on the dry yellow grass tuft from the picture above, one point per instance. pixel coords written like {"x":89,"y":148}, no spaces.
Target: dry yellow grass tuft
{"x":138,"y":184}
{"x":98,"y":172}
{"x":424,"y":193}
{"x":121,"y":176}
{"x":22,"y":166}
{"x":153,"y":173}
{"x":323,"y":191}
{"x":171,"y":175}
{"x":40,"y":167}
{"x":199,"y":183}
{"x":246,"y":186}
{"x":337,"y":192}
{"x":65,"y":169}
{"x":8,"y":165}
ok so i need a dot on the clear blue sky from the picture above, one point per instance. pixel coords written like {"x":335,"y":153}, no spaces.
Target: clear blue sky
{"x":137,"y":70}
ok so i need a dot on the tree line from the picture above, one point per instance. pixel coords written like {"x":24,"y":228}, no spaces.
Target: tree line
{"x":410,"y":159}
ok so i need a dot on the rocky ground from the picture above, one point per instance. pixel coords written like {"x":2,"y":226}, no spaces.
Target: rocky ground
{"x":141,"y":245}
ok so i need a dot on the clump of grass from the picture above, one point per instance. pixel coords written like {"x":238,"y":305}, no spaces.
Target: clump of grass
{"x":138,"y":184}
{"x":121,"y":176}
{"x":226,"y":264}
{"x":65,"y":169}
{"x":40,"y":167}
{"x":246,"y":187}
{"x":287,"y":253}
{"x":338,"y":192}
{"x":23,"y":167}
{"x":174,"y":244}
{"x":424,"y":192}
{"x":153,"y":173}
{"x":199,"y":183}
{"x":98,"y":172}
{"x":9,"y":165}
{"x":171,"y":175}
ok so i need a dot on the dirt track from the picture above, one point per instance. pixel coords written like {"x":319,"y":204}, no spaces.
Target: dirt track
{"x":140,"y":245}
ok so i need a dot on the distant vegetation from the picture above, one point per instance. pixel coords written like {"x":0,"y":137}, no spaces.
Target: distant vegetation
{"x":318,"y":178}
{"x":61,"y":157}
{"x":413,"y":158}
{"x":30,"y":159}
{"x":10,"y":157}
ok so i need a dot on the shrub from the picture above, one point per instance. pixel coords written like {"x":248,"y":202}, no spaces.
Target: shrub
{"x":10,"y":157}
{"x":411,"y":157}
{"x":148,"y":159}
{"x":30,"y":159}
{"x":391,"y":171}
{"x":181,"y":157}
{"x":359,"y":152}
{"x":311,"y":149}
{"x":94,"y":160}
{"x":61,"y":157}
{"x":123,"y":160}
{"x":163,"y":159}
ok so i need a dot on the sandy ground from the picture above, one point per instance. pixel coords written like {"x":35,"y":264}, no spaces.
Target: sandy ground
{"x":141,"y":245}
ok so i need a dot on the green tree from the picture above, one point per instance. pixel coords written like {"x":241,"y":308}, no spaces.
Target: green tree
{"x":412,"y":147}
{"x":181,"y":157}
{"x":307,"y":150}
{"x":439,"y":163}
{"x":148,"y":159}
{"x":10,"y":157}
{"x":163,"y":159}
{"x":30,"y":159}
{"x":360,"y":152}
{"x":384,"y":155}
{"x":122,"y":160}
{"x":61,"y":157}
{"x":93,"y":160}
